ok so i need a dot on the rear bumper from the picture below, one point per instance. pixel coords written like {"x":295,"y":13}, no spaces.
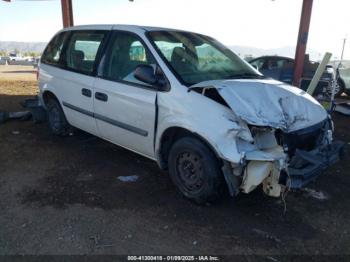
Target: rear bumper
{"x":306,"y":166}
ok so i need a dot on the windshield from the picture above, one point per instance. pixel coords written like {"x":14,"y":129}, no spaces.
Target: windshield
{"x":196,"y":58}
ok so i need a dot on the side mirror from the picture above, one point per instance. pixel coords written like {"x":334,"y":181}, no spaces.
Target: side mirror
{"x":145,"y":73}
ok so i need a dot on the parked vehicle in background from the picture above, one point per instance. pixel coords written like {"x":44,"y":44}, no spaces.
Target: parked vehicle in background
{"x":344,"y":79}
{"x":189,"y":103}
{"x":343,"y":73}
{"x":14,"y":57}
{"x":282,"y":69}
{"x":36,"y":61}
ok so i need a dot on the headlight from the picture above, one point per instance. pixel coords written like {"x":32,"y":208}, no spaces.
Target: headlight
{"x":264,"y":137}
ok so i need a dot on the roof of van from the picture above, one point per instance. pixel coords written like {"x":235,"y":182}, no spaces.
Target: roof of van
{"x":119,"y":26}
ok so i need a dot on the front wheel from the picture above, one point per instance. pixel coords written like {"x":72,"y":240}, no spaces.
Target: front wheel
{"x":195,"y":170}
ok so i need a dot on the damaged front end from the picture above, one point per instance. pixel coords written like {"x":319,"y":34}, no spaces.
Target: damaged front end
{"x":310,"y":151}
{"x":288,"y":137}
{"x":280,"y":160}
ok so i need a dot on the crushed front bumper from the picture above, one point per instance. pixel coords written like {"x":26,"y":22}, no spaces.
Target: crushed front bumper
{"x":305,"y":166}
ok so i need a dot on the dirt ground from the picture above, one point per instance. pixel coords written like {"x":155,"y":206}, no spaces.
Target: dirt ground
{"x":62,"y":196}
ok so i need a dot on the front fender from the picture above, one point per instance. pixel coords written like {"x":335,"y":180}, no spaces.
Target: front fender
{"x":219,"y":132}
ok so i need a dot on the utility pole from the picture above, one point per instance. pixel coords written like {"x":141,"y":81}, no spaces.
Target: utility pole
{"x":67,"y":13}
{"x":302,"y":40}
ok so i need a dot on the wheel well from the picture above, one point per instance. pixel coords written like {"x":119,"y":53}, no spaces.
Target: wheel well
{"x":169,"y":137}
{"x":47,"y":95}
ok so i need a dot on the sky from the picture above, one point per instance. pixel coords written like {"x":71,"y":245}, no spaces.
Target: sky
{"x":257,"y":23}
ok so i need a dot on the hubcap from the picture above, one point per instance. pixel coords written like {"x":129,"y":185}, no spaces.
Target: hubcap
{"x":190,"y":171}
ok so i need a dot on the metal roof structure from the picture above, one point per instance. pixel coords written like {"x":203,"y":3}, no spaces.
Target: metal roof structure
{"x":305,"y":18}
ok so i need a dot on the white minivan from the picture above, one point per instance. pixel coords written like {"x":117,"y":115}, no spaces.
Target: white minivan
{"x":189,"y":103}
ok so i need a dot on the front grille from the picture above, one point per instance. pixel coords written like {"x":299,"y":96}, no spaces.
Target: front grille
{"x":305,"y":139}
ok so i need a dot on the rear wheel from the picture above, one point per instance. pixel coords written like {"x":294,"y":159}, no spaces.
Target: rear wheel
{"x":56,"y":119}
{"x":195,"y":170}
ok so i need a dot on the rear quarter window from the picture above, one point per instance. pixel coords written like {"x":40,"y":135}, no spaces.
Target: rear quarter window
{"x":82,"y":50}
{"x":53,"y":52}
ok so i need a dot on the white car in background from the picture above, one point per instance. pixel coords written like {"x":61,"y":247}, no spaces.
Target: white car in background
{"x":189,"y":103}
{"x":14,"y":57}
{"x":343,"y":74}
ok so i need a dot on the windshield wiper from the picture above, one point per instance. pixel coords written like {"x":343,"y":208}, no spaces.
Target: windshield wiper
{"x":246,"y":76}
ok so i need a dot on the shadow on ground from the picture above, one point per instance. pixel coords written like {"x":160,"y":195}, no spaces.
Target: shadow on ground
{"x":90,"y":179}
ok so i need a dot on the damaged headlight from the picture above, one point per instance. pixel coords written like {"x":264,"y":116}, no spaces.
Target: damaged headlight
{"x":256,"y":138}
{"x":264,"y":137}
{"x":306,"y":139}
{"x":240,"y":129}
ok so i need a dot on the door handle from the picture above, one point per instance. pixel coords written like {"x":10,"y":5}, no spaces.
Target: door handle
{"x":86,"y":92}
{"x":101,"y":96}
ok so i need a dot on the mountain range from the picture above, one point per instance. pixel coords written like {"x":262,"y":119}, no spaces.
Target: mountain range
{"x":22,"y":47}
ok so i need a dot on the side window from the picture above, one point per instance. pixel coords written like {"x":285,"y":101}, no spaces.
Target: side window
{"x":53,"y":52}
{"x":276,"y":63}
{"x":82,"y":50}
{"x":271,"y":64}
{"x":124,"y":54}
{"x":137,"y":52}
{"x":258,"y":63}
{"x":281,"y":63}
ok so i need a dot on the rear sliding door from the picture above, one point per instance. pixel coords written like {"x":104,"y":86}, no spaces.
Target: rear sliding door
{"x":76,"y":83}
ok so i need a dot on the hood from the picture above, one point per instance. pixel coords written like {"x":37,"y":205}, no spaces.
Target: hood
{"x":267,"y":102}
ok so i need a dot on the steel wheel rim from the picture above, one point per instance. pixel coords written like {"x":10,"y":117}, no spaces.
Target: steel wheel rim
{"x":190,"y":171}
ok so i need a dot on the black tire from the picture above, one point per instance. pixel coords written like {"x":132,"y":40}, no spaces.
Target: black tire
{"x":56,"y":119}
{"x":341,"y":88}
{"x":195,"y":170}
